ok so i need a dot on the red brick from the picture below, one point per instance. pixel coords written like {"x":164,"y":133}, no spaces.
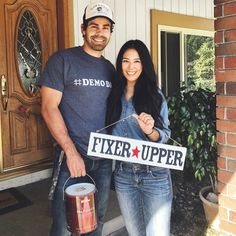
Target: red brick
{"x":223,"y":213}
{"x":226,"y":49}
{"x":226,"y":75}
{"x":219,"y":62}
{"x":220,"y":1}
{"x":227,"y":202}
{"x":230,"y":62}
{"x":222,"y":188}
{"x":228,"y":227}
{"x":225,"y":23}
{"x":230,"y":35}
{"x":227,"y":178}
{"x":218,"y":11}
{"x":231,"y":88}
{"x":219,"y":37}
{"x":226,"y":151}
{"x":231,"y":114}
{"x":223,"y":176}
{"x":220,"y":113}
{"x":225,"y":126}
{"x":232,"y":216}
{"x":226,"y":101}
{"x":231,"y":139}
{"x":231,"y":190}
{"x":220,"y":137}
{"x":221,"y":163}
{"x":231,"y":165}
{"x":230,"y":9}
{"x":220,"y":88}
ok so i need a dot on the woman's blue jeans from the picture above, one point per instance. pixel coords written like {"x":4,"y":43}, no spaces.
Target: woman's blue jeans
{"x":100,"y":171}
{"x":145,"y":197}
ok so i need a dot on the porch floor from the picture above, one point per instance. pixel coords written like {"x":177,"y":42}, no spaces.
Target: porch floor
{"x":35,"y":219}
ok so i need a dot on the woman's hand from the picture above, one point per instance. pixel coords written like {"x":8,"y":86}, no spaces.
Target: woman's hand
{"x":146,"y":122}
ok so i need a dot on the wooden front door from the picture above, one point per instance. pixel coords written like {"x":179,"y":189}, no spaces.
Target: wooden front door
{"x":28,"y":36}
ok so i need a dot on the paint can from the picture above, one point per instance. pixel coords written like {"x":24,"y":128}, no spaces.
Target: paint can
{"x":81,"y":211}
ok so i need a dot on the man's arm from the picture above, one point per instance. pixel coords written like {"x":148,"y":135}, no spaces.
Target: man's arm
{"x":51,"y":99}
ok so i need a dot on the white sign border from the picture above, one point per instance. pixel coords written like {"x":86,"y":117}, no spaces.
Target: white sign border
{"x":134,"y":143}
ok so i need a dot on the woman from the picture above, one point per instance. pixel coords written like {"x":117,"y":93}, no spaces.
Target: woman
{"x":144,"y":192}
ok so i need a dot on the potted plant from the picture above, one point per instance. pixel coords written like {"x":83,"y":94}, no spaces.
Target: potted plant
{"x":192,"y":115}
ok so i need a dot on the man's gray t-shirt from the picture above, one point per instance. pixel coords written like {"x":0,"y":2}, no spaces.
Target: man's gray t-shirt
{"x":85,"y":82}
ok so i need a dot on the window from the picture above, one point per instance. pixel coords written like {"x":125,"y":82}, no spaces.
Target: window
{"x":182,"y":51}
{"x":199,"y":62}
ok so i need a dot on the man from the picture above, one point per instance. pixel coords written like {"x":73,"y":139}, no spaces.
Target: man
{"x":74,"y":87}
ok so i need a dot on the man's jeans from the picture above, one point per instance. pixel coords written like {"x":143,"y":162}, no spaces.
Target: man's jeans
{"x":100,"y":171}
{"x":145,"y":196}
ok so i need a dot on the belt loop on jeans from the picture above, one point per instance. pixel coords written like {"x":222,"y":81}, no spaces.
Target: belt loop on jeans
{"x":148,"y":168}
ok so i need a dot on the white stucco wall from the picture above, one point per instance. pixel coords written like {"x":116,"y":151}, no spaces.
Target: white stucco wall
{"x":133,"y":18}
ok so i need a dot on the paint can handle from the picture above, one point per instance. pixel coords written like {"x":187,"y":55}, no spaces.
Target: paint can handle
{"x":76,"y":177}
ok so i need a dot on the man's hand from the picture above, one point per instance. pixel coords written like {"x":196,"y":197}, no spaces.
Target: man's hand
{"x":76,"y":165}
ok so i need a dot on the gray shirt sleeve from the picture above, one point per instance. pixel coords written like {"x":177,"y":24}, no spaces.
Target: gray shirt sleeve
{"x":52,"y":75}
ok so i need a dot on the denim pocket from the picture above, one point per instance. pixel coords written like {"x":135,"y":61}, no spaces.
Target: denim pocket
{"x":159,"y":184}
{"x":159,"y":174}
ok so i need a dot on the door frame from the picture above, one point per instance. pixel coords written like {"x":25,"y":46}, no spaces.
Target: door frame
{"x":65,"y":23}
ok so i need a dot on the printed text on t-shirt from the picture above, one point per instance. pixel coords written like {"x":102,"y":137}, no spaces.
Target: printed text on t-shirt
{"x":92,"y":82}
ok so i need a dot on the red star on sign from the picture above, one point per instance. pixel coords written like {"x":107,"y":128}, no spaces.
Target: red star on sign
{"x":135,"y":152}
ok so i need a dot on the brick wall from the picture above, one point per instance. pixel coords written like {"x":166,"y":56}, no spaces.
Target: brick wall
{"x":225,"y":65}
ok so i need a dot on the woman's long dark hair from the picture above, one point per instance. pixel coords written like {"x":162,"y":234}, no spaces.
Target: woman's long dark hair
{"x":147,"y":97}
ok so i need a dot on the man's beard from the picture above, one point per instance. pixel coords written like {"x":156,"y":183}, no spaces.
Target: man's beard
{"x":94,"y":46}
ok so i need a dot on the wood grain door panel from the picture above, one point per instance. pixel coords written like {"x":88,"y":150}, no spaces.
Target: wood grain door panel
{"x":25,"y":138}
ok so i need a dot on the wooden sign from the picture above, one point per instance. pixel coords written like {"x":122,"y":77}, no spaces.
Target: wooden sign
{"x":136,"y":151}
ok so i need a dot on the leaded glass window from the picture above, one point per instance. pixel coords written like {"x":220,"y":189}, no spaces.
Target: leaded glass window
{"x":29,"y":53}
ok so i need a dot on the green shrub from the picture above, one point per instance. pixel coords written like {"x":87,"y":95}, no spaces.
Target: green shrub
{"x":192,"y":116}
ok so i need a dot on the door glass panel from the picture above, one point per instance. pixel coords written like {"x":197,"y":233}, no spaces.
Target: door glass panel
{"x":29,"y":53}
{"x":199,"y":62}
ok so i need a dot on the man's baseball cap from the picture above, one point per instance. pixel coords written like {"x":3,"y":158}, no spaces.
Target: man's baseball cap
{"x":98,"y":10}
